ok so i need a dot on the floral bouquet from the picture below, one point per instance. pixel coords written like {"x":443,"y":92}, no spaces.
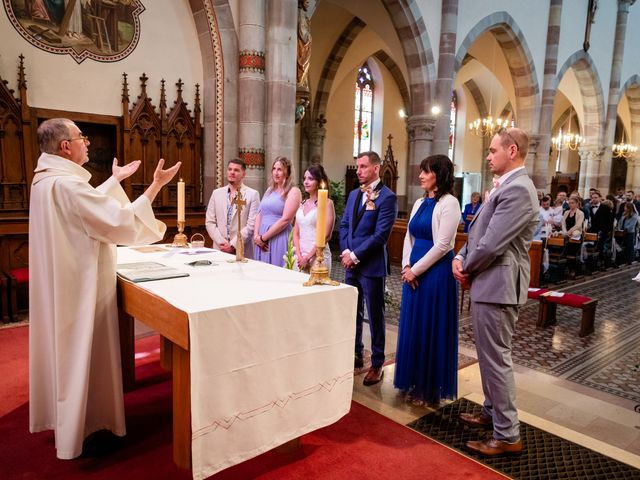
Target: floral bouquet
{"x":290,"y":256}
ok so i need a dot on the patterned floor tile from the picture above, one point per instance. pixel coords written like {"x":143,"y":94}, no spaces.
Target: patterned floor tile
{"x":604,"y":360}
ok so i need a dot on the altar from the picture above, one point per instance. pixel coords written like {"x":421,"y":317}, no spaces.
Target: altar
{"x":257,"y":359}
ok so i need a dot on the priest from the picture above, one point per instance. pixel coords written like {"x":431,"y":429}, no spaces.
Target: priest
{"x":75,"y":380}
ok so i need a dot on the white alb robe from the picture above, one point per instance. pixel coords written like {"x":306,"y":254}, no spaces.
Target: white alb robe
{"x":75,"y":378}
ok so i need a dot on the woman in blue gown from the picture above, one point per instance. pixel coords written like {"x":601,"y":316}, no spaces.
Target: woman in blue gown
{"x":277,"y":210}
{"x":427,"y":354}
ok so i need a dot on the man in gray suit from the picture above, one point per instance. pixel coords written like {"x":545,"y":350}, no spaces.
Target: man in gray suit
{"x":494,"y":264}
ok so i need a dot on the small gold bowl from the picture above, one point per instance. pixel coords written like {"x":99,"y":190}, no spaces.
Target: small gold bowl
{"x":197,"y":242}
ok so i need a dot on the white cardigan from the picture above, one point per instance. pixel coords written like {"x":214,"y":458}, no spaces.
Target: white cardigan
{"x":444,"y":224}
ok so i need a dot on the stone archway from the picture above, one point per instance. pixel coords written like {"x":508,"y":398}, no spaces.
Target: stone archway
{"x":593,"y":115}
{"x":519,"y":60}
{"x":331,"y":65}
{"x":418,"y":55}
{"x":631,"y":89}
{"x":218,"y":47}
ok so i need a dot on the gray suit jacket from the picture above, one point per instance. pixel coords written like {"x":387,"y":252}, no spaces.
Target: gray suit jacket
{"x":496,"y":254}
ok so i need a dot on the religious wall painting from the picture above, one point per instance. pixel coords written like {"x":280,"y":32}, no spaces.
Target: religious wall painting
{"x":102,"y":30}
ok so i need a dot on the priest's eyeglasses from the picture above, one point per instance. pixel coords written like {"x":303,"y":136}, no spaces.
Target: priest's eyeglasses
{"x":504,"y":131}
{"x":84,"y":138}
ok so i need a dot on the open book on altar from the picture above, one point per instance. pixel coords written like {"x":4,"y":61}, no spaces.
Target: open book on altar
{"x":147,"y":271}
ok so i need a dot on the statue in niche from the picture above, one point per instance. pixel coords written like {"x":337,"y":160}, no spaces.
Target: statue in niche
{"x":304,"y":45}
{"x":104,"y":30}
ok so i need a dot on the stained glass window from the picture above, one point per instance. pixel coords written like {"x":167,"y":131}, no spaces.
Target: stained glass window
{"x":453,"y":115}
{"x":363,"y":117}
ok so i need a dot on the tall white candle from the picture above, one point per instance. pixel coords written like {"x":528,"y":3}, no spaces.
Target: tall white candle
{"x":180,"y":201}
{"x":321,"y":224}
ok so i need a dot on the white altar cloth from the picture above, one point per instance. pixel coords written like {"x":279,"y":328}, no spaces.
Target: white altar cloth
{"x":270,"y":359}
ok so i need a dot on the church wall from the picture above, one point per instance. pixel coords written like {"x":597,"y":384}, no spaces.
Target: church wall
{"x":339,"y":143}
{"x":331,"y":22}
{"x":234,"y":5}
{"x":469,"y":153}
{"x":572,"y":31}
{"x":338,"y":146}
{"x":168,"y":48}
{"x":393,"y":124}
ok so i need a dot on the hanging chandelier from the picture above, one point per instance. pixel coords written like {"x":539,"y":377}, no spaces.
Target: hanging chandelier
{"x":488,"y":126}
{"x":564,"y":141}
{"x":623,"y":150}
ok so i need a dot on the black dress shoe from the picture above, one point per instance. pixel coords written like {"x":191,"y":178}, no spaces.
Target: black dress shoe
{"x":358,"y":361}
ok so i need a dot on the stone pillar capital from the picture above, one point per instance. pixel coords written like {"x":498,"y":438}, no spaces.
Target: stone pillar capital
{"x":623,"y":5}
{"x":590,"y":153}
{"x":316,"y":135}
{"x":421,"y":127}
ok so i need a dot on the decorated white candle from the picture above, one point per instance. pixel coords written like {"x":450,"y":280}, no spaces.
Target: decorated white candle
{"x":181,"y":201}
{"x":321,"y":224}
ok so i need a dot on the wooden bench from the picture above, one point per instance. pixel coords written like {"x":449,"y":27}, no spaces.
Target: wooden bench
{"x":548,"y":303}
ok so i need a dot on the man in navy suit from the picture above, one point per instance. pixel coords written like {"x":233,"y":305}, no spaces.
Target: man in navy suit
{"x":365,"y":228}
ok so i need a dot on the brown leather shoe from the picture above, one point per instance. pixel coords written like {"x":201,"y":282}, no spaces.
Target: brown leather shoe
{"x":476,"y":421}
{"x":494,"y":448}
{"x":373,"y":376}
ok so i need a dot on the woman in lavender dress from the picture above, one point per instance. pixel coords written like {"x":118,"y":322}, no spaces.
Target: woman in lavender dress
{"x":277,"y":210}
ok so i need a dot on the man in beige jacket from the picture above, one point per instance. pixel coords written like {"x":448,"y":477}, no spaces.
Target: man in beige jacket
{"x":222,"y":214}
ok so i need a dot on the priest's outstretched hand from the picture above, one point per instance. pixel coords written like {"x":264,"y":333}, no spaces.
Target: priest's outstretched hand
{"x":160,"y":179}
{"x":126,"y":170}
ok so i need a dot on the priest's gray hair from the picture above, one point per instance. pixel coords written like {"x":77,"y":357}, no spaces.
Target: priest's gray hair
{"x":51,"y":132}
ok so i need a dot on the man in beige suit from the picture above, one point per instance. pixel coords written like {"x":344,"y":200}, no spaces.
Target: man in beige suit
{"x":222,"y":220}
{"x":494,"y":264}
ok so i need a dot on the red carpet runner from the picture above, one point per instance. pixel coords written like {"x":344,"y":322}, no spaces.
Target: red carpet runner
{"x":362,"y":445}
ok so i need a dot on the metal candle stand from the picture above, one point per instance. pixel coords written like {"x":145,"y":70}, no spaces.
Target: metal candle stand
{"x":319,"y":271}
{"x":180,"y":239}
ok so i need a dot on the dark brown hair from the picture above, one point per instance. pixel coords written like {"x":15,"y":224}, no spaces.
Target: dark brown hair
{"x":442,"y":166}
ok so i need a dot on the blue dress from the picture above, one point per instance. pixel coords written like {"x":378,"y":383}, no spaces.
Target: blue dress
{"x":427,"y":353}
{"x":468,"y":213}
{"x":272,"y":208}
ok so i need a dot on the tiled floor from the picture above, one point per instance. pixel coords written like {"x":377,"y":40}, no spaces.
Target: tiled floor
{"x":584,"y":390}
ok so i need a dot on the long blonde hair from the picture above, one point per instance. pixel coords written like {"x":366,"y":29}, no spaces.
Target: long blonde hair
{"x":288,"y":183}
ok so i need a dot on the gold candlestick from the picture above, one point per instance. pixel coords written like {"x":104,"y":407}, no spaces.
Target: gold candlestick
{"x":319,"y":271}
{"x":180,"y":239}
{"x":239,"y":202}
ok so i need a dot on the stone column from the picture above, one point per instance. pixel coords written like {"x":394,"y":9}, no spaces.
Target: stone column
{"x":541,"y":160}
{"x":592,"y":159}
{"x":604,"y":177}
{"x":582,"y":173}
{"x":316,"y":136}
{"x":420,"y":130}
{"x":532,"y":154}
{"x":281,"y":53}
{"x":446,"y":72}
{"x":251,"y":85}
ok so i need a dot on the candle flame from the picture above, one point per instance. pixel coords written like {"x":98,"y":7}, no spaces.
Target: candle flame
{"x":322,"y":186}
{"x":180,"y":179}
